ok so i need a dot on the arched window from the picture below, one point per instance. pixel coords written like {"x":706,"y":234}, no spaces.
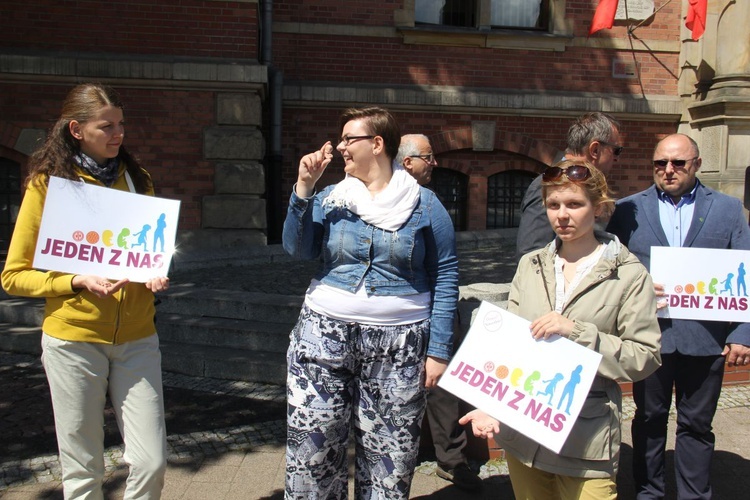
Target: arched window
{"x":10,"y":200}
{"x":504,"y":194}
{"x":450,"y":187}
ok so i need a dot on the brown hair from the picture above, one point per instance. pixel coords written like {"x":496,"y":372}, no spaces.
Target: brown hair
{"x":595,"y":186}
{"x":378,"y":121}
{"x":55,"y":157}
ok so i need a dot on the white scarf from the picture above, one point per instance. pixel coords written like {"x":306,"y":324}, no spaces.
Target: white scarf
{"x":388,"y":210}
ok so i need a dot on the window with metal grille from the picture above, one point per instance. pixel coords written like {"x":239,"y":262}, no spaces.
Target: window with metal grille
{"x":450,"y":187}
{"x":10,"y":200}
{"x":504,"y":194}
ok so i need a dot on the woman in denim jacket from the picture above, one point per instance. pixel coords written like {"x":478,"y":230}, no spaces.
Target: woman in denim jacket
{"x":376,"y":327}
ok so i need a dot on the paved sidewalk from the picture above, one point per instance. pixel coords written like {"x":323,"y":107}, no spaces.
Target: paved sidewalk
{"x":246,"y":461}
{"x":226,"y":438}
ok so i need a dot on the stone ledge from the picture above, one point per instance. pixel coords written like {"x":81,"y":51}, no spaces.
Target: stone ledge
{"x":447,"y":99}
{"x":117,"y":66}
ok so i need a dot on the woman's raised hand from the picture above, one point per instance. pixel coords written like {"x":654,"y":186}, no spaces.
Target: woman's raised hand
{"x":311,"y":167}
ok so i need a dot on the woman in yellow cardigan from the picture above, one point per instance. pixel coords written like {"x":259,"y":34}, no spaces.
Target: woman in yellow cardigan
{"x":99,"y":336}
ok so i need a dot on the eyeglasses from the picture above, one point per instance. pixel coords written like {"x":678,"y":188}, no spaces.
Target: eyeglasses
{"x":347,"y":139}
{"x":616,"y":150}
{"x":575,"y":173}
{"x":677,"y":164}
{"x":428,"y":158}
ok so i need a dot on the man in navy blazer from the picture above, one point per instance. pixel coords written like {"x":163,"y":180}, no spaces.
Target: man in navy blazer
{"x":680,"y":211}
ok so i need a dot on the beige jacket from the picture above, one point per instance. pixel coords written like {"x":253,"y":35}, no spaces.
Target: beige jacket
{"x":614,"y":309}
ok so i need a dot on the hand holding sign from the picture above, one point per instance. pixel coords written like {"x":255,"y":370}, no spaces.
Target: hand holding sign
{"x":483,"y":425}
{"x":95,"y":231}
{"x":534,"y":386}
{"x":101,"y":287}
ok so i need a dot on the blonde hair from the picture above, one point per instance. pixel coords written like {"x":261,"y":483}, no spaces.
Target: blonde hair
{"x":595,"y":186}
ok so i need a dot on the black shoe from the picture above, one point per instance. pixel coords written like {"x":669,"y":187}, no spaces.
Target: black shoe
{"x":462,"y":476}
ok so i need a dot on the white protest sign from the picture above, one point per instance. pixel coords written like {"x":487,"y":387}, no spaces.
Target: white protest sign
{"x":537,"y":387}
{"x":702,"y":283}
{"x":88,"y":229}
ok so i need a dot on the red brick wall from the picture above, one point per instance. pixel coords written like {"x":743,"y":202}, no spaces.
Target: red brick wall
{"x":348,"y":58}
{"x":522,"y":143}
{"x":186,"y":28}
{"x":164,"y":128}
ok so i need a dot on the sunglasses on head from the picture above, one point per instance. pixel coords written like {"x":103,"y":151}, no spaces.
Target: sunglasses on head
{"x":575,"y":173}
{"x":661,"y":164}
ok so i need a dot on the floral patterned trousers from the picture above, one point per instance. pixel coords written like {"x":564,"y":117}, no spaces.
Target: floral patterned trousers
{"x":345,"y":376}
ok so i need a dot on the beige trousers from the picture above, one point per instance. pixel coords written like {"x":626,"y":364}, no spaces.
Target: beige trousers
{"x":534,"y":484}
{"x":80,"y":375}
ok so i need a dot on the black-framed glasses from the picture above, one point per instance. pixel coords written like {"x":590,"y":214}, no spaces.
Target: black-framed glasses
{"x":616,"y":150}
{"x":428,"y":158}
{"x":575,"y":173}
{"x":662,"y":164}
{"x":347,"y":139}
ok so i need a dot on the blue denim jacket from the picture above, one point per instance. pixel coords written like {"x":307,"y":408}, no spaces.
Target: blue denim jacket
{"x":417,"y":258}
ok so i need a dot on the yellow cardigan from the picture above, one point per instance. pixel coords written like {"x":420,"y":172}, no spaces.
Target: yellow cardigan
{"x":74,"y":315}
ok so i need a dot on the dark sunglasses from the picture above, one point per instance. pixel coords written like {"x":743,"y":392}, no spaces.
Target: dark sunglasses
{"x":575,"y":173}
{"x":616,"y":150}
{"x":662,"y":164}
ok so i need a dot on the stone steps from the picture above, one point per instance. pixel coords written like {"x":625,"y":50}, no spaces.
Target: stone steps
{"x":234,"y":304}
{"x":228,"y":334}
{"x":213,"y":333}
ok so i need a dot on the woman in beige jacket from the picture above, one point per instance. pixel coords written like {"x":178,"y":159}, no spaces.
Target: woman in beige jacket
{"x":586,"y":286}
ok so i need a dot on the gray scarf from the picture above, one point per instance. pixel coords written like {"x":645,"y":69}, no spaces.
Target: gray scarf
{"x":106,"y":173}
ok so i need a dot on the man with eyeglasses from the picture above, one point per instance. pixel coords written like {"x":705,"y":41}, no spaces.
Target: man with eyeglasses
{"x":680,"y":211}
{"x":415,"y":154}
{"x":594,"y":137}
{"x":443,"y":408}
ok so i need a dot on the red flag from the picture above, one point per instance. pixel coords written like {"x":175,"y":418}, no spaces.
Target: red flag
{"x":696,"y":17}
{"x":604,"y":17}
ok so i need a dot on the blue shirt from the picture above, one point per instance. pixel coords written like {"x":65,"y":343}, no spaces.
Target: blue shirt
{"x":419,"y":257}
{"x":676,"y":219}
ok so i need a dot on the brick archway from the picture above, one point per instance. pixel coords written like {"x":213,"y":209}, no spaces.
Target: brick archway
{"x":9,"y":134}
{"x":462,"y":138}
{"x":533,"y":156}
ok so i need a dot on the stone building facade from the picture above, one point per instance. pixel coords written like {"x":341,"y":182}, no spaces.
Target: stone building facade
{"x":223,"y":97}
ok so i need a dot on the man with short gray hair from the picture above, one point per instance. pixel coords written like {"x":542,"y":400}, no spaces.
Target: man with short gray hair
{"x":593,"y":137}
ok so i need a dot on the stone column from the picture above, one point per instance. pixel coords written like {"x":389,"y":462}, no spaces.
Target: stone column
{"x":718,"y":111}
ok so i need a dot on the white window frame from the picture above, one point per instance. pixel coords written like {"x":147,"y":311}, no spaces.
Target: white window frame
{"x":555,"y":38}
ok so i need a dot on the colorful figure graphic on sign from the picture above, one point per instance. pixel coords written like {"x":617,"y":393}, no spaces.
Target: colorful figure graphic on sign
{"x":142,"y":235}
{"x":712,"y":286}
{"x":159,"y":232}
{"x":570,"y":388}
{"x":514,"y":376}
{"x":107,"y":237}
{"x":122,"y":238}
{"x":528,"y":385}
{"x":728,"y":284}
{"x":551,"y":384}
{"x":741,"y":279}
{"x":701,"y":285}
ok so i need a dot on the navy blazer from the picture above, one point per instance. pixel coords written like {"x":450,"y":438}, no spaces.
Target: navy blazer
{"x":718,"y":222}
